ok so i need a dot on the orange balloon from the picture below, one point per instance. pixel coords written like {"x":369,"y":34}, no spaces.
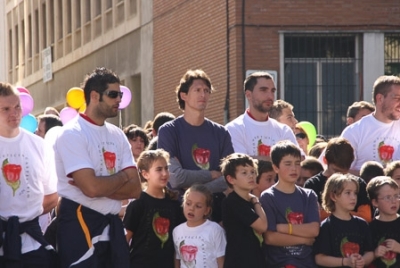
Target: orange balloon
{"x":75,"y":97}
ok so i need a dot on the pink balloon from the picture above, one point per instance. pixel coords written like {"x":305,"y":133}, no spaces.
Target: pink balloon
{"x":26,"y":103}
{"x":126,"y":98}
{"x":23,"y":90}
{"x":67,"y":113}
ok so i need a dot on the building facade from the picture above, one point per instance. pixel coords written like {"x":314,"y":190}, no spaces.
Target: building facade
{"x":325,"y":55}
{"x":80,"y":35}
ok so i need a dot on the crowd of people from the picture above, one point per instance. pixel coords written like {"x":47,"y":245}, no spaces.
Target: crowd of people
{"x":184,"y":191}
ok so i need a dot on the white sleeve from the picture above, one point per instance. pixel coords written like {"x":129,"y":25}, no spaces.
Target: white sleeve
{"x":220,"y":241}
{"x":238,"y":138}
{"x":72,"y":149}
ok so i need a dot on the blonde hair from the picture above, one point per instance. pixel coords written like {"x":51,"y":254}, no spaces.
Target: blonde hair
{"x":200,"y":188}
{"x":335,"y":186}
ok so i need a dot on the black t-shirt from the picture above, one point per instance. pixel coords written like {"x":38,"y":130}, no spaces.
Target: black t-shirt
{"x":381,"y":231}
{"x":339,"y":238}
{"x":317,"y":183}
{"x":152,"y":220}
{"x":244,"y":247}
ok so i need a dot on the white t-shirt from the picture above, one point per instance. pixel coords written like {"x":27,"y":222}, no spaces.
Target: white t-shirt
{"x":373,"y":140}
{"x":27,"y":175}
{"x":256,"y":138}
{"x":199,"y":246}
{"x":82,"y":144}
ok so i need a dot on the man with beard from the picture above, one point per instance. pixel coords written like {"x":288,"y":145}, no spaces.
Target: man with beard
{"x":95,"y":170}
{"x":376,"y":137}
{"x":254,"y":132}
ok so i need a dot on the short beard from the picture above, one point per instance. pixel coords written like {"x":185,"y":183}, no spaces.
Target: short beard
{"x":260,"y":108}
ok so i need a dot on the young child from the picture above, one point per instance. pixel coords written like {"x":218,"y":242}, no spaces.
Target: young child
{"x":243,"y":217}
{"x":344,"y":239}
{"x":199,"y":242}
{"x":384,"y":194}
{"x":310,"y":167}
{"x":149,"y":220}
{"x":339,"y":155}
{"x":370,"y":170}
{"x":292,"y":212}
{"x":265,"y":178}
{"x":393,"y":170}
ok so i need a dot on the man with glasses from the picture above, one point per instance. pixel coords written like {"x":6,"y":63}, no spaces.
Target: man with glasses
{"x":254,"y":132}
{"x":96,"y":170}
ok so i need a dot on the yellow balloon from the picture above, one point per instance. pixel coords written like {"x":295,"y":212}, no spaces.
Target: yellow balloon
{"x":311,"y":132}
{"x":82,"y":109}
{"x":75,"y":97}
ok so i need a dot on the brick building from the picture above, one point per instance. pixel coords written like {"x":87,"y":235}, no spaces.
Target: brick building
{"x":326,"y":54}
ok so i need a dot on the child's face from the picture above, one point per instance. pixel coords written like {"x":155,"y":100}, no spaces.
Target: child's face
{"x":289,"y":169}
{"x":387,"y":201}
{"x":305,"y":174}
{"x":195,"y":208}
{"x":267,"y":179}
{"x":347,"y":200}
{"x":137,"y":146}
{"x":396,"y":175}
{"x":158,"y":174}
{"x":245,"y":178}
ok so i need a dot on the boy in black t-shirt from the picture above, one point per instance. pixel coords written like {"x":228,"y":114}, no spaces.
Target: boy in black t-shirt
{"x":384,"y":194}
{"x":339,"y":155}
{"x":243,"y":217}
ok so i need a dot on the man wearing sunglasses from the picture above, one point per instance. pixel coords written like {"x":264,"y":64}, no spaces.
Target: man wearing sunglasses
{"x":96,"y":170}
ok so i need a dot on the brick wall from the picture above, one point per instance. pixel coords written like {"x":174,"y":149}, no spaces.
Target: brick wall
{"x":192,"y":34}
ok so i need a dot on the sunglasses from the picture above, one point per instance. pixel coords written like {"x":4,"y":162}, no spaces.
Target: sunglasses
{"x":301,"y":135}
{"x":113,"y":94}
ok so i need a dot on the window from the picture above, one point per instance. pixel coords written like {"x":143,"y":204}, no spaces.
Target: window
{"x":68,"y":17}
{"x":78,"y":14}
{"x":60,"y":20}
{"x":392,"y":54}
{"x":44,"y":26}
{"x":87,"y":11}
{"x":321,"y":78}
{"x":29,"y":41}
{"x":97,"y":8}
{"x":51,"y":21}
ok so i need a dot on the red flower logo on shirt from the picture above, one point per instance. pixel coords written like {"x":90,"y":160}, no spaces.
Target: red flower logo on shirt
{"x":188,"y":254}
{"x":390,"y":257}
{"x":263,"y":149}
{"x":385,"y":152}
{"x":347,"y":248}
{"x":109,"y":160}
{"x":294,"y":217}
{"x":201,"y":157}
{"x":161,"y":228}
{"x":11,"y":174}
